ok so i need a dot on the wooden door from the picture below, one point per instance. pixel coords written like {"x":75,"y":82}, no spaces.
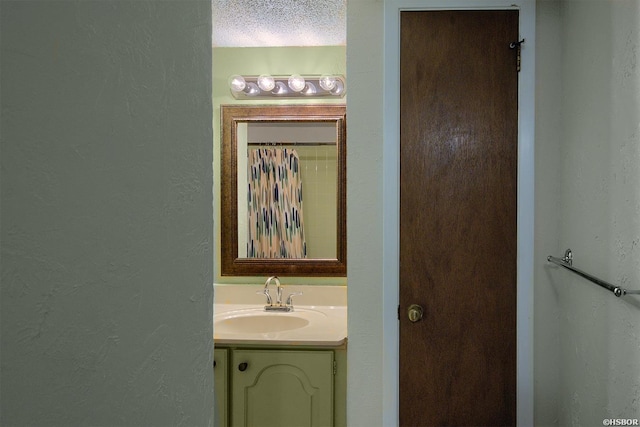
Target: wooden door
{"x":458,"y":217}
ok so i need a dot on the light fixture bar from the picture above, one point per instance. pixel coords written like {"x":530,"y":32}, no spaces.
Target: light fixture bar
{"x":294,"y":86}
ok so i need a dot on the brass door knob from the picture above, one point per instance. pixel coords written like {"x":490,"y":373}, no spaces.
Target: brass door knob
{"x":415,"y":313}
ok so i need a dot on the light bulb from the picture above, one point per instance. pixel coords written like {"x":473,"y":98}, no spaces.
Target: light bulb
{"x":252,"y":89}
{"x":309,"y":89}
{"x":338,"y":89}
{"x":327,"y":82}
{"x":296,"y":82}
{"x":266,"y":82}
{"x":280,"y":89}
{"x":237,"y":83}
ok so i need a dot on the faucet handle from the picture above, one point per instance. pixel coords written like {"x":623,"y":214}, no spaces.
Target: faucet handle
{"x":290,"y":298}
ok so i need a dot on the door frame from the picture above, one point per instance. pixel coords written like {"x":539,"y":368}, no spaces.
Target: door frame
{"x":525,"y":210}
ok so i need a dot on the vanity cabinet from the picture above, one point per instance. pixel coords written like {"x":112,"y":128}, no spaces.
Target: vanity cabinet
{"x":280,"y":387}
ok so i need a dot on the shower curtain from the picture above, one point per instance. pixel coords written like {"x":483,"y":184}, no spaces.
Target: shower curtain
{"x":276,"y":228}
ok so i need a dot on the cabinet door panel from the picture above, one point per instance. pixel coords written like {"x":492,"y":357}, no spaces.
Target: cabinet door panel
{"x":282,"y":388}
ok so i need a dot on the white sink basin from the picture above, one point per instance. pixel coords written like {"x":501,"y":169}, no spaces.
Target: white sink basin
{"x":320,"y":325}
{"x":260,"y":323}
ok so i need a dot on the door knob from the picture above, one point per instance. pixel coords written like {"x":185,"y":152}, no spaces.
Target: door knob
{"x":415,"y":313}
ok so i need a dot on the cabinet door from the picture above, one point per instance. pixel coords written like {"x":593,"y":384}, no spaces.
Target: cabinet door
{"x":282,"y":388}
{"x":221,"y":387}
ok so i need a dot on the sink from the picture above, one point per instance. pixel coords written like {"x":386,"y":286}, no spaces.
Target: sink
{"x":261,"y":323}
{"x":251,"y":324}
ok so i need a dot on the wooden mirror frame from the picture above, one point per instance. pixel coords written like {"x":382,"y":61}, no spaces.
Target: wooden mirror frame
{"x":231,"y":115}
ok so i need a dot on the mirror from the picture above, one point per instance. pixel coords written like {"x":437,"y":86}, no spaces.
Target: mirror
{"x":283,"y":206}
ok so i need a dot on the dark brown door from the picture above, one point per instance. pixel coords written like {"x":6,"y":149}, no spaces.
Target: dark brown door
{"x":458,"y":178}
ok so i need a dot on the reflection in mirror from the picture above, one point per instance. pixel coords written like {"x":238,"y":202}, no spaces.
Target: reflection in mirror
{"x":305,"y":158}
{"x":283,"y":190}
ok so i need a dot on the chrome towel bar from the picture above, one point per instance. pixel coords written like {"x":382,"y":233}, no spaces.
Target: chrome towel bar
{"x":567,"y":262}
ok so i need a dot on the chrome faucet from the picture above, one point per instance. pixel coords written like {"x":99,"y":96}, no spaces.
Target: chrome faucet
{"x":278,"y":306}
{"x":278,"y":291}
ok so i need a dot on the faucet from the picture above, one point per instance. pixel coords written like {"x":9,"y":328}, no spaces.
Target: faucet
{"x":278,"y":291}
{"x":278,"y":306}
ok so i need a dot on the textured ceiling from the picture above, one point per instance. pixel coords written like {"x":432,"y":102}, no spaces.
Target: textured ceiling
{"x":259,"y":23}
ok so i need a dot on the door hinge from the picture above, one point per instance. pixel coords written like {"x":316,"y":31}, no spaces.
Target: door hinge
{"x":335,"y":367}
{"x":518,"y":47}
{"x":398,"y":311}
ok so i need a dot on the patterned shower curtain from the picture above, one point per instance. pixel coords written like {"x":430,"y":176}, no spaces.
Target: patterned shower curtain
{"x":276,"y":228}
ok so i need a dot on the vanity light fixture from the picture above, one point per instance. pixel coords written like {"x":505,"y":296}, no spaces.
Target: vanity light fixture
{"x":294,"y":86}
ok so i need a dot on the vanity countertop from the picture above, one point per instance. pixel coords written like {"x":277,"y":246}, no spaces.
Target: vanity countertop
{"x":240,"y":318}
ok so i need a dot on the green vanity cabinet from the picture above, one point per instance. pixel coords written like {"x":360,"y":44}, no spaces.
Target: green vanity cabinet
{"x":221,"y":386}
{"x":280,"y":387}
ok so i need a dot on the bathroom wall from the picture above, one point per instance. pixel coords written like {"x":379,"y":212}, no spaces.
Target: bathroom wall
{"x":370,"y":395}
{"x":599,"y":374}
{"x":548,"y":131}
{"x":107,"y":230}
{"x":274,"y":61}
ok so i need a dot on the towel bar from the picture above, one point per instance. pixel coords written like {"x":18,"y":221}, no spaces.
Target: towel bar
{"x":567,"y":262}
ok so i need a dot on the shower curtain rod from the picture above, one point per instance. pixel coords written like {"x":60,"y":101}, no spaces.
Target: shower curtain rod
{"x":567,"y":262}
{"x":265,"y":143}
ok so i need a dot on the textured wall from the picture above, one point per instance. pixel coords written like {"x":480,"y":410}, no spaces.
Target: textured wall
{"x":106,"y":213}
{"x":600,"y":211}
{"x":547,"y":216}
{"x":366,"y":405}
